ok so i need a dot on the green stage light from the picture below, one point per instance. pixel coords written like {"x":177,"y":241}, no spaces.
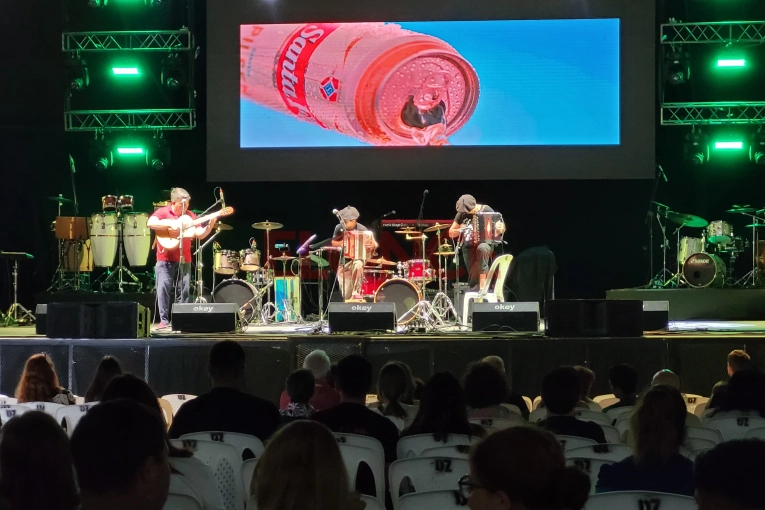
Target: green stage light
{"x":732,"y":145}
{"x":130,"y":151}
{"x":731,"y":62}
{"x":125,"y":71}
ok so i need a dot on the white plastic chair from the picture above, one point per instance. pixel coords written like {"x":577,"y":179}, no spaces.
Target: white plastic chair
{"x":755,"y":434}
{"x":692,"y":420}
{"x":8,"y":401}
{"x":695,"y":454}
{"x":735,"y":427}
{"x":79,"y":400}
{"x":46,"y":407}
{"x":69,"y":416}
{"x":692,"y":400}
{"x":489,"y":293}
{"x":607,"y":402}
{"x":529,"y":403}
{"x":427,"y":474}
{"x":182,"y":502}
{"x":704,"y":433}
{"x":591,"y":467}
{"x":600,"y":398}
{"x":364,"y":441}
{"x":537,"y":415}
{"x":179,"y":486}
{"x":452,"y":452}
{"x":536,"y":403}
{"x":606,"y":452}
{"x":354,"y":456}
{"x":622,"y":425}
{"x":167,"y":411}
{"x":6,"y":413}
{"x":639,"y":500}
{"x":612,"y":434}
{"x":413,"y":446}
{"x":176,"y":400}
{"x":698,"y":443}
{"x":248,"y":469}
{"x":598,"y":417}
{"x":226,"y":464}
{"x":614,"y":414}
{"x":371,"y":503}
{"x":241,"y":442}
{"x":571,"y":442}
{"x":436,"y":500}
{"x":495,"y":424}
{"x":700,"y":408}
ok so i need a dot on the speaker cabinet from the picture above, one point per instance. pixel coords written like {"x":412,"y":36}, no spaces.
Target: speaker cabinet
{"x":594,"y":318}
{"x":506,"y":317}
{"x":362,"y":317}
{"x":205,"y":317}
{"x":41,"y":319}
{"x":71,"y":320}
{"x":655,"y":315}
{"x":122,"y":319}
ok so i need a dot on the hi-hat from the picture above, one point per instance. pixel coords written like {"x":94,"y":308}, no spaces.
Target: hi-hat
{"x":283,"y":258}
{"x":741,"y":210}
{"x":382,"y":261}
{"x":687,"y":220}
{"x":61,"y":200}
{"x":436,"y":227}
{"x":224,"y":226}
{"x":756,"y":225}
{"x":407,"y":231}
{"x":267,"y":225}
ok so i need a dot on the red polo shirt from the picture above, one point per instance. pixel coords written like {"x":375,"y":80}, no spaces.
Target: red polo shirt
{"x":164,"y":255}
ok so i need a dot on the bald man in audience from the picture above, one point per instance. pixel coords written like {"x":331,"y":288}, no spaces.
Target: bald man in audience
{"x":666,"y":377}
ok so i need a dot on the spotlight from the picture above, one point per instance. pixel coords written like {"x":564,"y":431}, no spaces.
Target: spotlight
{"x":174,"y":74}
{"x":696,"y":148}
{"x":77,"y":74}
{"x":100,"y":155}
{"x":677,"y":67}
{"x":159,"y":154}
{"x":757,"y":149}
{"x":96,"y":3}
{"x":154,"y":3}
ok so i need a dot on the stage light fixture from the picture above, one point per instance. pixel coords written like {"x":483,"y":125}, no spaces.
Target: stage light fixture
{"x":159,"y":154}
{"x":130,"y":151}
{"x":757,"y":149}
{"x":126,"y":71}
{"x":96,"y":3}
{"x":154,"y":3}
{"x":100,"y":155}
{"x":677,"y":67}
{"x":174,"y":74}
{"x":731,"y":62}
{"x":696,"y":148}
{"x":77,"y":74}
{"x":729,"y":145}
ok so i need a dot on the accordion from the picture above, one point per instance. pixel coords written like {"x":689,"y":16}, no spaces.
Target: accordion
{"x":486,"y":227}
{"x":354,"y":244}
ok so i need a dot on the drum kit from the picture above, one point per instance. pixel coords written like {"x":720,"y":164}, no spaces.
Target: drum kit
{"x":706,"y":258}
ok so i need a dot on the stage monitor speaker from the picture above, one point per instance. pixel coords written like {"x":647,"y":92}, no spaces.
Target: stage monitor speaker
{"x":71,"y":320}
{"x":655,"y":315}
{"x":362,"y":317}
{"x":122,"y":319}
{"x":594,"y":318}
{"x":205,"y":317}
{"x":41,"y":319}
{"x":506,"y":317}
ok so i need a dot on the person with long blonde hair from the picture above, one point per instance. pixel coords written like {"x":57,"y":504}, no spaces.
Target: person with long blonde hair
{"x":302,"y":469}
{"x":39,"y":382}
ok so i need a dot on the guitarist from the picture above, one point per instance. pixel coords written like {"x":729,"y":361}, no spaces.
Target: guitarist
{"x":171,"y":273}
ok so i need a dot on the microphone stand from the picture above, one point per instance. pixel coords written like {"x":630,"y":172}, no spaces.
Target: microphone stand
{"x":198,"y":276}
{"x":78,"y":244}
{"x":341,"y":267}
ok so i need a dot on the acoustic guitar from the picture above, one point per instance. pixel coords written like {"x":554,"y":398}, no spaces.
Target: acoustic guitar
{"x":189,"y":227}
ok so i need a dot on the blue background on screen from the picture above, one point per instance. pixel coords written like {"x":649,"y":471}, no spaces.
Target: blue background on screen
{"x":543,"y":82}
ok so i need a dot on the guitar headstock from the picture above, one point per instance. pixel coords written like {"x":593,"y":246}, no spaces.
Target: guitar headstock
{"x":226,"y":211}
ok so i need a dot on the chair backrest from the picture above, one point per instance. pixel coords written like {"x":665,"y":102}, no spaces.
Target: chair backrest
{"x":698,"y":443}
{"x":8,"y":401}
{"x":529,"y":402}
{"x":537,"y":415}
{"x":700,"y":408}
{"x":69,"y":416}
{"x":248,"y":469}
{"x":413,"y":446}
{"x":355,"y":456}
{"x":692,"y":400}
{"x":8,"y":412}
{"x":371,"y":503}
{"x":46,"y":407}
{"x":167,"y":411}
{"x":364,"y":441}
{"x":598,"y":417}
{"x":502,"y":264}
{"x":704,"y":433}
{"x":693,"y":420}
{"x":622,"y":425}
{"x":537,"y":401}
{"x":249,"y":447}
{"x":436,"y":500}
{"x":495,"y":424}
{"x":176,"y":400}
{"x":606,"y":452}
{"x":571,"y":442}
{"x":226,"y":464}
{"x":735,"y":427}
{"x":608,"y":401}
{"x":601,"y":398}
{"x":615,"y":413}
{"x":179,"y":486}
{"x":512,"y":408}
{"x":755,"y":433}
{"x":612,"y":434}
{"x":639,"y":500}
{"x":453,"y":452}
{"x":182,"y":502}
{"x":591,"y":467}
{"x":427,"y":474}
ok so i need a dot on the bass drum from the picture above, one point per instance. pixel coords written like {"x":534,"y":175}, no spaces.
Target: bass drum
{"x":704,"y":270}
{"x":240,"y":292}
{"x":401,"y":292}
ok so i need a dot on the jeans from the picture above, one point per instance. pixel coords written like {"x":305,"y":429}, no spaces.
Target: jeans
{"x":167,"y":278}
{"x":477,"y":261}
{"x":350,"y":277}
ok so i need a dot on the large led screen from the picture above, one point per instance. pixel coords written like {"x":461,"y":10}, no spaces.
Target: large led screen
{"x":468,"y":83}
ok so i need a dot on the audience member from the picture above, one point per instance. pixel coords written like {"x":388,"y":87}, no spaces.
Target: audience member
{"x":745,"y":395}
{"x":393,"y":383}
{"x":120,"y":454}
{"x":300,"y":388}
{"x":35,"y":465}
{"x":560,"y":394}
{"x":586,"y":380}
{"x":658,"y":429}
{"x":623,"y":380}
{"x":108,"y":368}
{"x":442,"y":411}
{"x":302,"y":469}
{"x":523,"y":467}
{"x":324,"y":395}
{"x":419,"y":385}
{"x":485,"y":390}
{"x":730,"y":476}
{"x":351,"y":416}
{"x":131,"y":387}
{"x":408,"y":396}
{"x":227,"y":408}
{"x":737,"y":360}
{"x":513,"y":397}
{"x":666,"y":377}
{"x":39,"y":382}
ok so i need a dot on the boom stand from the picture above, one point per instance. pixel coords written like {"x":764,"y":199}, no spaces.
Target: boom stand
{"x":17,"y":313}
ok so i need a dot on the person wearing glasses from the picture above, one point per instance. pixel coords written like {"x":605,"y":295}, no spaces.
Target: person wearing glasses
{"x":522,"y":467}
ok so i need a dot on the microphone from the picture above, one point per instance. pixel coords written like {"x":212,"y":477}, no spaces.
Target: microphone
{"x":71,"y":164}
{"x":424,"y":193}
{"x":661,"y":171}
{"x":282,"y":246}
{"x":387,"y":214}
{"x":335,"y":211}
{"x":222,"y":200}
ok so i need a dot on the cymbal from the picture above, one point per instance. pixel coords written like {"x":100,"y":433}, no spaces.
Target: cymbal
{"x":755,"y":225}
{"x":407,"y":230}
{"x":382,"y":261}
{"x":436,"y":228}
{"x":267,"y":225}
{"x":283,"y":258}
{"x":61,"y":199}
{"x":687,"y":220}
{"x":197,"y":211}
{"x":660,"y":205}
{"x":738,"y":210}
{"x":445,"y":253}
{"x":224,"y":226}
{"x":319,"y":261}
{"x":416,"y":236}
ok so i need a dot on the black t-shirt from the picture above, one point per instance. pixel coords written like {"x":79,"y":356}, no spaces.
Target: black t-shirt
{"x":463,"y":216}
{"x":339,"y":230}
{"x":570,"y":426}
{"x":625,"y":402}
{"x":349,"y":418}
{"x":226,"y":410}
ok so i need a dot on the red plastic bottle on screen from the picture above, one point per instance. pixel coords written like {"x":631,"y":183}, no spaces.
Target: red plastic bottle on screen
{"x":375,"y":82}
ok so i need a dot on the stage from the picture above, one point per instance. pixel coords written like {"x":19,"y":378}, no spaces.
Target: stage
{"x":175,"y":362}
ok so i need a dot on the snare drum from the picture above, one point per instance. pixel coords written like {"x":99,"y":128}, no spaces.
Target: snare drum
{"x":719,"y":232}
{"x":109,"y":203}
{"x":126,"y":203}
{"x":250,"y":259}
{"x":373,"y":279}
{"x":258,"y":278}
{"x":104,"y":236}
{"x":689,"y":246}
{"x":418,"y":270}
{"x":136,"y":237}
{"x":226,"y":262}
{"x":403,"y":294}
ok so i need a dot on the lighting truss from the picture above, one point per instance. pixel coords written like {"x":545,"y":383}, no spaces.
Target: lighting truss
{"x":146,"y":40}
{"x":690,"y":114}
{"x":99,"y":120}
{"x":724,"y":32}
